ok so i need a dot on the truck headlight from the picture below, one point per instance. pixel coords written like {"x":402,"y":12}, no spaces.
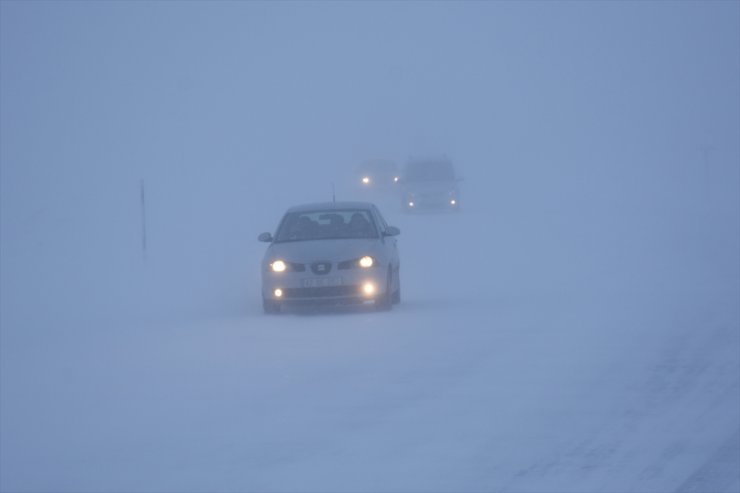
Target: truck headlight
{"x":366,"y":261}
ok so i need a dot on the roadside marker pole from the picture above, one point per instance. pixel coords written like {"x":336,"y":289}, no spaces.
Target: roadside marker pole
{"x":143,"y":221}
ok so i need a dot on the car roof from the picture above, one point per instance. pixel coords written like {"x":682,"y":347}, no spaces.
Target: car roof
{"x":319,"y":206}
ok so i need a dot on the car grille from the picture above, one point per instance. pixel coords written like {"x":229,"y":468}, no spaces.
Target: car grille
{"x":321,"y":268}
{"x":323,"y":292}
{"x":434,"y":199}
{"x":347,"y":264}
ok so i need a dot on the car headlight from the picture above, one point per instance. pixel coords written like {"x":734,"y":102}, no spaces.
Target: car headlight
{"x":366,"y":180}
{"x":364,"y":262}
{"x":278,"y":266}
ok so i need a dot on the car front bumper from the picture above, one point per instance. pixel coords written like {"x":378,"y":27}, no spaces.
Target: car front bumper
{"x":431,"y":202}
{"x":338,"y":287}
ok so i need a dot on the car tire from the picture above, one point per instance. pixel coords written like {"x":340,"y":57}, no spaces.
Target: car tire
{"x":270,"y":307}
{"x":397,"y":293}
{"x":385,"y":302}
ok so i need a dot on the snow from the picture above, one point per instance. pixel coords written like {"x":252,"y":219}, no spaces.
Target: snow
{"x":460,"y":388}
{"x":575,"y":328}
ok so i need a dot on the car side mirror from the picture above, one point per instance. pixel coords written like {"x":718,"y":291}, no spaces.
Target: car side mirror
{"x":391,"y":231}
{"x":265,"y":237}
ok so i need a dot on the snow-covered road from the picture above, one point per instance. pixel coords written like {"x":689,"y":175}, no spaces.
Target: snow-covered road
{"x":509,"y":366}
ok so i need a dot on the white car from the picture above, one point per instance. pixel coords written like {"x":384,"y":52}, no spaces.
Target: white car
{"x":331,"y":253}
{"x":430,"y":184}
{"x":380,"y":175}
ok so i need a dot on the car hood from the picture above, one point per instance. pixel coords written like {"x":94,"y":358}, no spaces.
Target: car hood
{"x":317,"y":250}
{"x":430,"y":187}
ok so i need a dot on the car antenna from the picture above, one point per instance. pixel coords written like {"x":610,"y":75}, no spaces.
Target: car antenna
{"x":333,"y":194}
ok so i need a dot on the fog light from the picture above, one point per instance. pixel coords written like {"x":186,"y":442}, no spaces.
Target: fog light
{"x":365,"y":180}
{"x":395,"y":179}
{"x":411,"y":204}
{"x":453,"y":201}
{"x":368,"y":288}
{"x":278,"y":293}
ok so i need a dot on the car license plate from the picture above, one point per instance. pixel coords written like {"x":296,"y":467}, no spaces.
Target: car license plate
{"x":322,"y":282}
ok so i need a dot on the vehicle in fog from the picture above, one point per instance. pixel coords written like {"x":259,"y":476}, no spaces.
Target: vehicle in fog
{"x":431,"y":184}
{"x":378,"y":174}
{"x":331,"y":253}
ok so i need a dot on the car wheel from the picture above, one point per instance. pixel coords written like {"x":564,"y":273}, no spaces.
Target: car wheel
{"x":397,"y":292}
{"x":270,"y":307}
{"x":397,"y":296}
{"x":384,"y":303}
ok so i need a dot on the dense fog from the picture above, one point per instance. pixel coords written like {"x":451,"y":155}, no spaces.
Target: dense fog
{"x":575,"y":327}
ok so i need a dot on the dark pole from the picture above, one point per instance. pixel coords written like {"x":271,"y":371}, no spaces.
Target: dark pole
{"x":143,"y":221}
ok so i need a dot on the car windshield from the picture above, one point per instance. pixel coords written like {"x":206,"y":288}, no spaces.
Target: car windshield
{"x":429,"y":171}
{"x":326,"y":224}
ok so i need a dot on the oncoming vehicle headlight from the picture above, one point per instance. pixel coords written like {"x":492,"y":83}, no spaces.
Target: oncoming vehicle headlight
{"x":278,"y":266}
{"x":366,"y":261}
{"x":366,"y":180}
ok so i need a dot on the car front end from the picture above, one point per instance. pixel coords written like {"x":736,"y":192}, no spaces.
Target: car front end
{"x":439,"y":198}
{"x":378,"y":176}
{"x":294,"y":280}
{"x":331,"y":253}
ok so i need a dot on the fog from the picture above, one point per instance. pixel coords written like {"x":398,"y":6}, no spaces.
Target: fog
{"x":575,"y":327}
